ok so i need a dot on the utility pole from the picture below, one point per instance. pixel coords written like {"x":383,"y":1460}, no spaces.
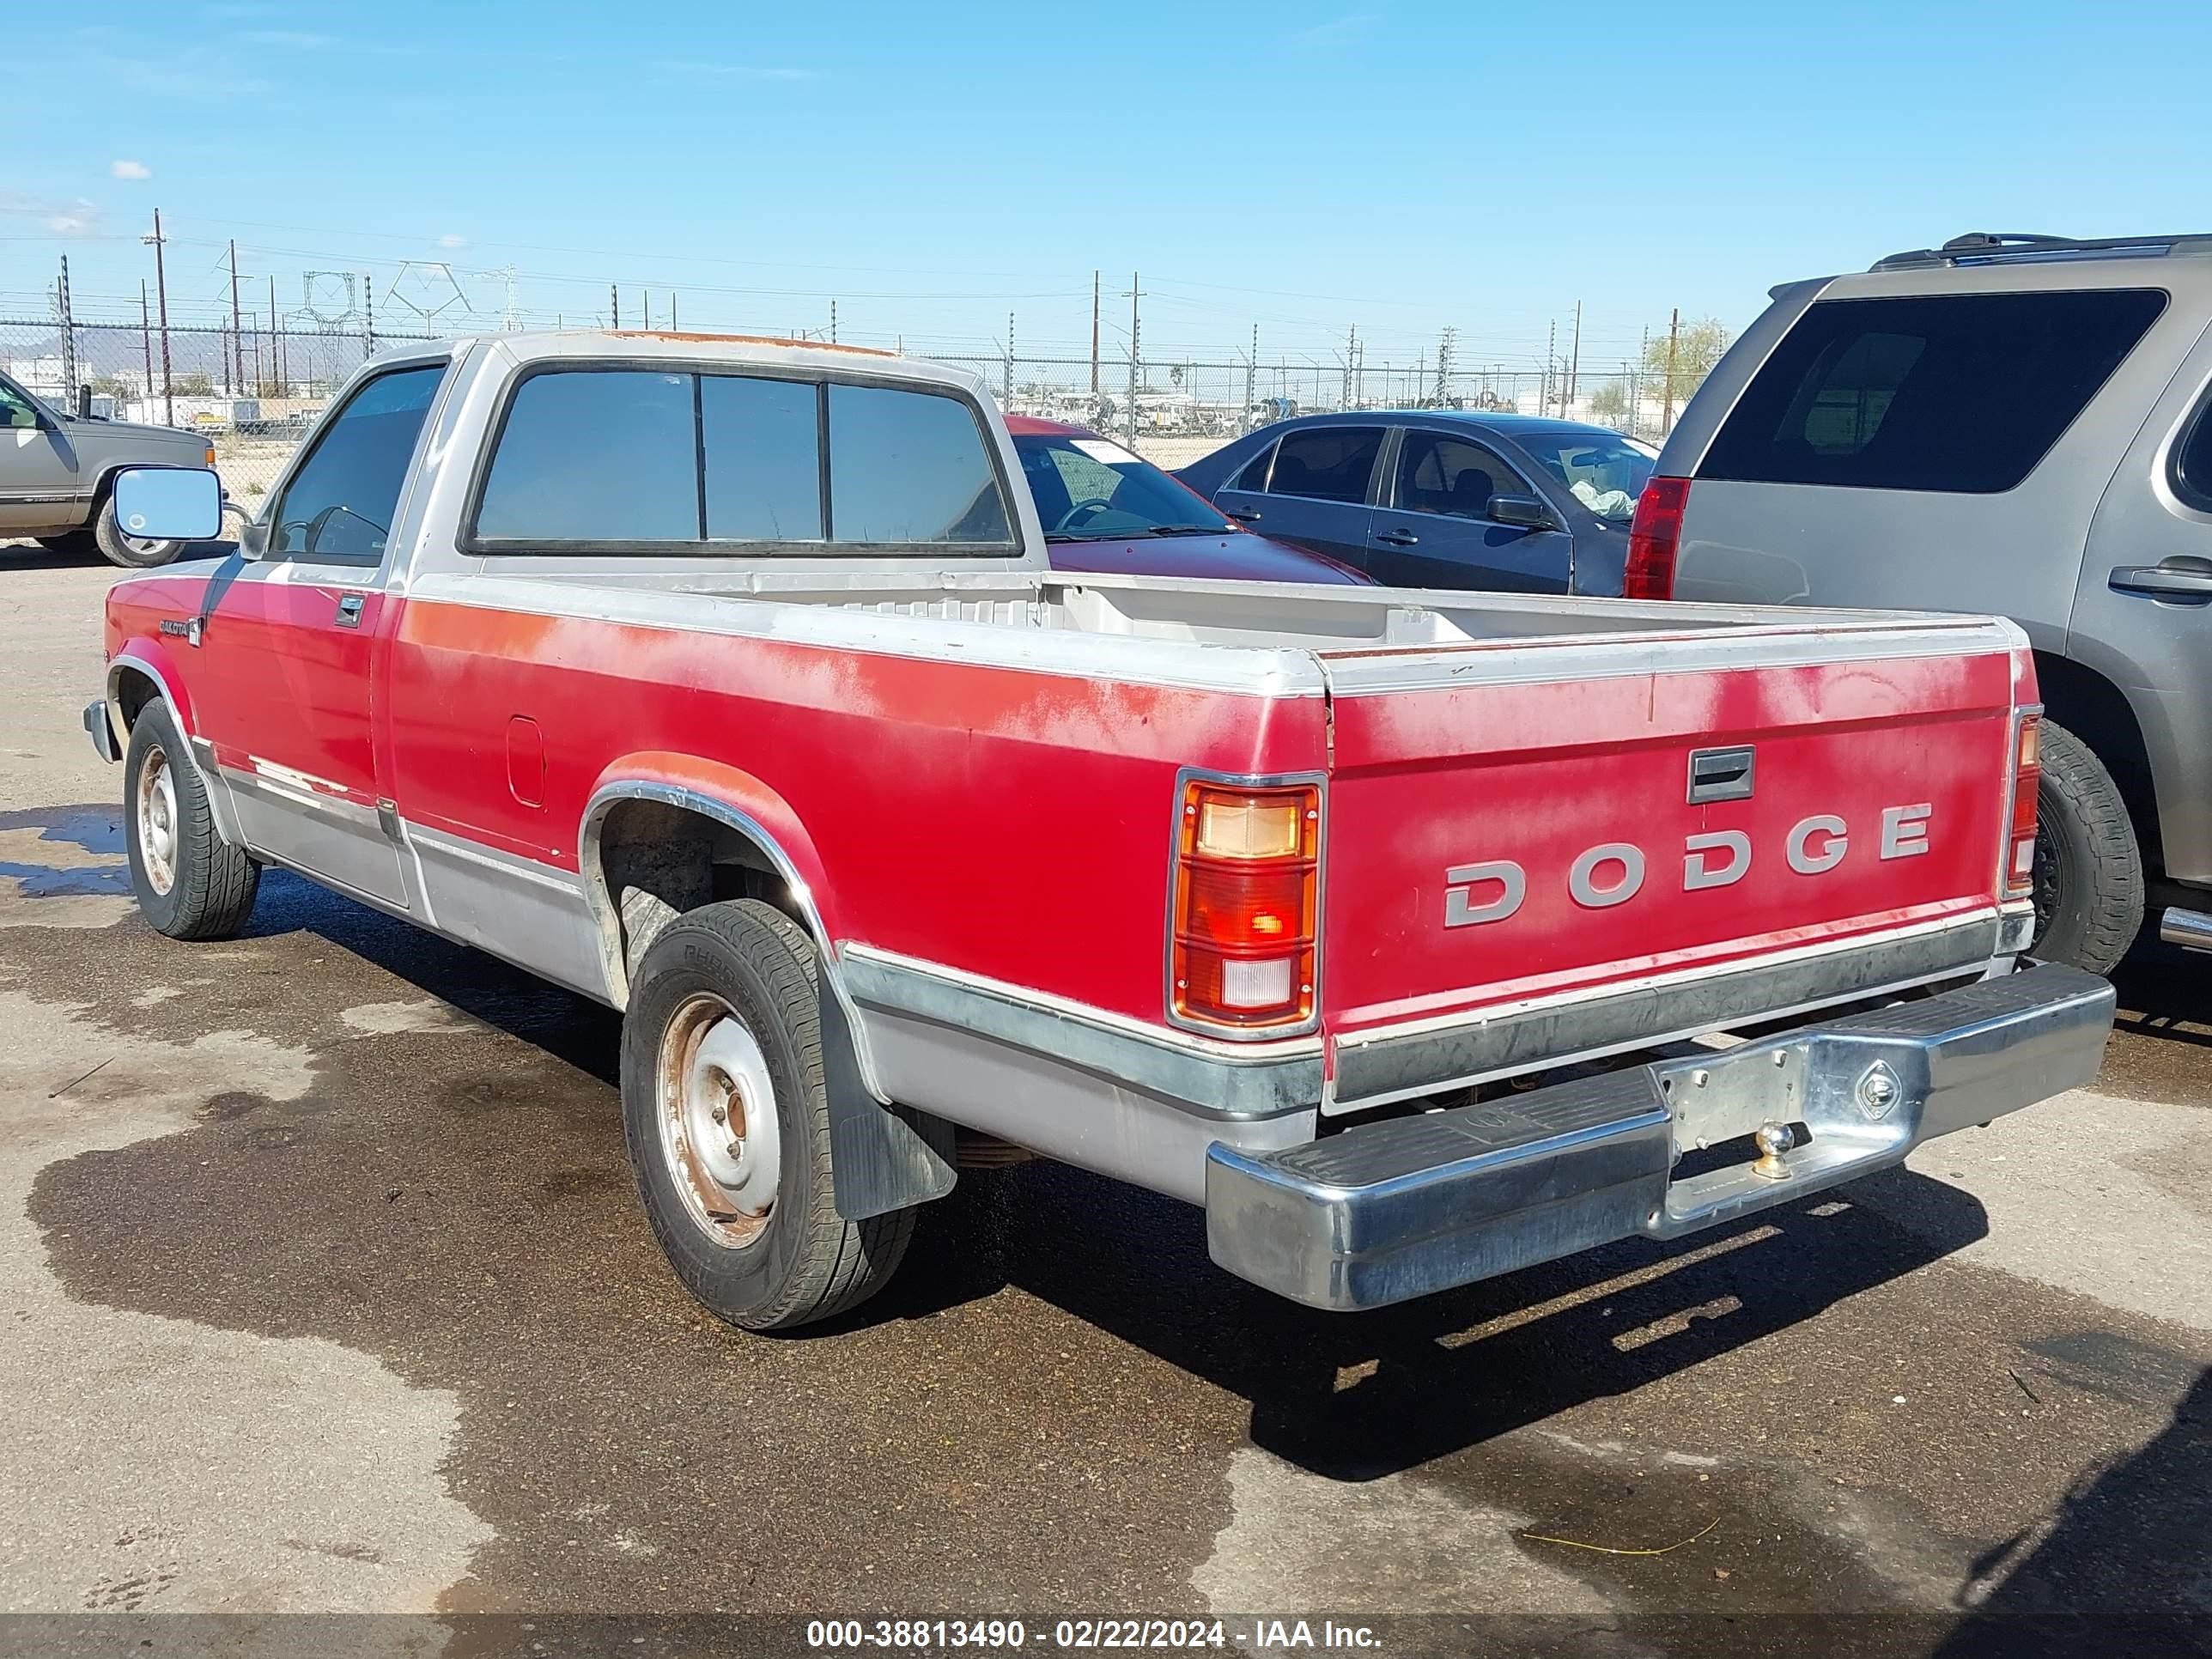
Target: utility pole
{"x":69,"y":337}
{"x":1575,"y":363}
{"x":672,"y":311}
{"x":277,"y":343}
{"x":1444,"y":367}
{"x":614,"y":303}
{"x":146,"y":338}
{"x":369,"y":307}
{"x":1094,"y":339}
{"x":1135,"y":293}
{"x":1251,"y":367}
{"x":648,"y":308}
{"x":833,"y":322}
{"x":161,"y":295}
{"x":1551,"y":360}
{"x":1667,"y":407}
{"x":1006,"y":395}
{"x":237,"y":339}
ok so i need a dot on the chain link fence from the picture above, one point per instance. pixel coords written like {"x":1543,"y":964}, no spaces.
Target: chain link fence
{"x":256,"y":390}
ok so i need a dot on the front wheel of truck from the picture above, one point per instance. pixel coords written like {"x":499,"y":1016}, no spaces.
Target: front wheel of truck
{"x":728,"y":1123}
{"x":189,"y":881}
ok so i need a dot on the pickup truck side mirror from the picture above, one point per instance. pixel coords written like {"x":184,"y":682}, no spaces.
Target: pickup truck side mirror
{"x":1525,"y":511}
{"x":168,"y":503}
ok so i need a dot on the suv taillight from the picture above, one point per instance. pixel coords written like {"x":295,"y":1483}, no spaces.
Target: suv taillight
{"x":1653,"y":535}
{"x":1247,"y":907}
{"x":2027,"y":778}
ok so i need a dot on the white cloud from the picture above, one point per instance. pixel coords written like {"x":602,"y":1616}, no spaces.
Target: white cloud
{"x":449,"y":240}
{"x":79,"y":218}
{"x":1336,"y":32}
{"x":297,"y":40}
{"x":130,"y":170}
{"x":731,"y":71}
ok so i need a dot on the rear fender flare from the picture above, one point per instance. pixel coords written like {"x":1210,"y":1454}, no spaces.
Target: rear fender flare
{"x":741,"y":802}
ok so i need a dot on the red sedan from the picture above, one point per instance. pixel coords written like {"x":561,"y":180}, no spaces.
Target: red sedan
{"x":1105,"y":509}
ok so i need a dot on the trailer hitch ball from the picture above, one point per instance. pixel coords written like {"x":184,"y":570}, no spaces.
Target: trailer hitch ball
{"x":1772,"y":1139}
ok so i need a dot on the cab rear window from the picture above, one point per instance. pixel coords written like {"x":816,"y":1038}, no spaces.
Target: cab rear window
{"x":1964,"y":392}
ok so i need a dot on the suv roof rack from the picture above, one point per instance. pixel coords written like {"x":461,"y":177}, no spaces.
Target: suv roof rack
{"x":1991,"y":247}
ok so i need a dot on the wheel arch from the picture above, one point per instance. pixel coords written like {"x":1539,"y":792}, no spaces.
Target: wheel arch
{"x":685,"y":810}
{"x":2098,"y":712}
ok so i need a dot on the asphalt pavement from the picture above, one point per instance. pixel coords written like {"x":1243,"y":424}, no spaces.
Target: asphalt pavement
{"x":325,"y":1290}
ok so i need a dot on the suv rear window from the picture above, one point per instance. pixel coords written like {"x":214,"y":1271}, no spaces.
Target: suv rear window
{"x":1960,"y":392}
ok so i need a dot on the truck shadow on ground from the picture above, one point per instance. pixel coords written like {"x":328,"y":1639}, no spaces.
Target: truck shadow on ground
{"x":2137,"y":1535}
{"x":2167,"y":992}
{"x":1351,"y":1397}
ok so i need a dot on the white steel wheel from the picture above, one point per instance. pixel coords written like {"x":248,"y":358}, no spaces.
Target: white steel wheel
{"x":720,"y":1136}
{"x":726,"y":1113}
{"x":158,"y":819}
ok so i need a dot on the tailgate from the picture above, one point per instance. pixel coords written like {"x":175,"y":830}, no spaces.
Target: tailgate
{"x":1512,"y":829}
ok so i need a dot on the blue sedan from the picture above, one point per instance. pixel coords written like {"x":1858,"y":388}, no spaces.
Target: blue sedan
{"x":1440,"y":497}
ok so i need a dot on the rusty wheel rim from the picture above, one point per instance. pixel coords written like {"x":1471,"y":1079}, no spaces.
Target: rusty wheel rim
{"x":720,"y":1139}
{"x":157,"y":821}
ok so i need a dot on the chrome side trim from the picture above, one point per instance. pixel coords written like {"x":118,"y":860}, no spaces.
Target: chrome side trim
{"x":1373,"y":1069}
{"x":1210,"y":1079}
{"x":608,"y":914}
{"x":1042,"y":1101}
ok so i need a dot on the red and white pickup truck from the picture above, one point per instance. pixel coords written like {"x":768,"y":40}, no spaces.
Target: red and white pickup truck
{"x":1418,"y":936}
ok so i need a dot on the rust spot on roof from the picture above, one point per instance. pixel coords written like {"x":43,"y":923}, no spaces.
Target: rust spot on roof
{"x":748,"y":339}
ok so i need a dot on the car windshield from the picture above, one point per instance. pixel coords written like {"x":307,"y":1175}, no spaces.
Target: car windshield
{"x":1088,"y":490}
{"x":1603,"y":471}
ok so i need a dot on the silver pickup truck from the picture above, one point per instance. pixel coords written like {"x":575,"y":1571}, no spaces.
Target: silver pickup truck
{"x":57,"y":471}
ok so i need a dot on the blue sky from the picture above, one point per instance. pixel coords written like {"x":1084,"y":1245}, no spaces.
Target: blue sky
{"x":1307,"y":166}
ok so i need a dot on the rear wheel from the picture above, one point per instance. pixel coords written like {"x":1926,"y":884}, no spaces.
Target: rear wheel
{"x":728,"y":1123}
{"x":2088,"y":870}
{"x":131,"y":552}
{"x":190,"y":882}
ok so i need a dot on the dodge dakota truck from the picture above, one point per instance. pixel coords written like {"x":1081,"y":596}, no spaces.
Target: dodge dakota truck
{"x":1417,"y":936}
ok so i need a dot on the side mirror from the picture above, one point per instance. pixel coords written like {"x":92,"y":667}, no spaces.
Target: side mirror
{"x":168,"y":503}
{"x":1525,"y":511}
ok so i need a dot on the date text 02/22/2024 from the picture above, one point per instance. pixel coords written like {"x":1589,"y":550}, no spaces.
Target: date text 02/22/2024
{"x":924,"y":1634}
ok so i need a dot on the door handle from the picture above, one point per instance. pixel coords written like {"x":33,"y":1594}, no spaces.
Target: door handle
{"x":2173,"y":579}
{"x":1244,"y":514}
{"x":349,"y":611}
{"x":1397,"y":537}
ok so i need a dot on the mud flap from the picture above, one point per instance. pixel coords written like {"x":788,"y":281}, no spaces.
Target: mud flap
{"x":881,"y":1157}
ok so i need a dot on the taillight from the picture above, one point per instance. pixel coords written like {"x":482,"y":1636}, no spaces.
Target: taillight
{"x":1654,"y":536}
{"x":2027,"y":777}
{"x":1247,"y":906}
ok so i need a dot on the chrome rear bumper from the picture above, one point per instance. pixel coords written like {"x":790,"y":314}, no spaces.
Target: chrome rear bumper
{"x":1389,"y":1211}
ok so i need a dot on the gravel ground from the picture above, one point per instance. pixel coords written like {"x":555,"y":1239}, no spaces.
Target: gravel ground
{"x":324,"y":1291}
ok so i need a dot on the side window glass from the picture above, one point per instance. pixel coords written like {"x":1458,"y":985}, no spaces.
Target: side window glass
{"x":595,"y":455}
{"x":1437,"y":474}
{"x":2193,"y":463}
{"x":910,"y":467}
{"x":1254,"y":477}
{"x":15,"y":409}
{"x":339,"y":504}
{"x":1329,"y":464}
{"x":763,"y":442}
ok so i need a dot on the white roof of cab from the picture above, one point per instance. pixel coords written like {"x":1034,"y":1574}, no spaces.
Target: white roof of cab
{"x":652,"y":345}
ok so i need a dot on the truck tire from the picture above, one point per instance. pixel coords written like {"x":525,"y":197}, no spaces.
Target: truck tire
{"x":2088,"y":870}
{"x":190,"y":882}
{"x":728,"y":1123}
{"x":131,"y":552}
